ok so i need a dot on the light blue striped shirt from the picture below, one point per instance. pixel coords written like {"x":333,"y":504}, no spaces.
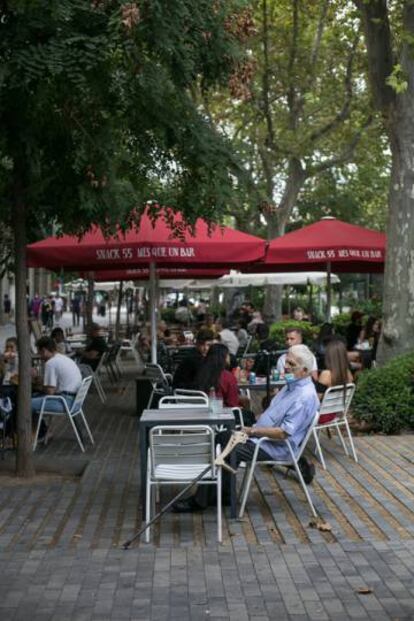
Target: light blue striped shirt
{"x":293,"y":410}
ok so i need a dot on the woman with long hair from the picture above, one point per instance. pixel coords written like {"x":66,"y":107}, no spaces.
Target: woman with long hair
{"x":336,"y":373}
{"x":214,"y":374}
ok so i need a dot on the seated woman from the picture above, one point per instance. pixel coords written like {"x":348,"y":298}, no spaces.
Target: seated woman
{"x":214,"y":373}
{"x":9,"y":370}
{"x":336,"y":373}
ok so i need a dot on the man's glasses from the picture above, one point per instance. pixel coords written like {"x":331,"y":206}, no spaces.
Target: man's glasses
{"x":291,"y":364}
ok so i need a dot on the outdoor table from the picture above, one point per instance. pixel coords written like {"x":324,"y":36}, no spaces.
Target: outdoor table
{"x":184,"y":417}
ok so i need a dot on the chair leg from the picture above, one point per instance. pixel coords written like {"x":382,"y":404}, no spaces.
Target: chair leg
{"x":319,"y":448}
{"x":85,"y":422}
{"x":99,"y":388}
{"x":246,"y":490}
{"x":219,"y":507}
{"x":341,"y":437}
{"x":305,"y":489}
{"x":37,"y":431}
{"x":148,"y":510}
{"x":72,"y":422}
{"x":351,"y":441}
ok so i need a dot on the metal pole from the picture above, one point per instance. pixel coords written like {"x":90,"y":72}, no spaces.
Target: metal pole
{"x":328,"y":292}
{"x":153,"y":312}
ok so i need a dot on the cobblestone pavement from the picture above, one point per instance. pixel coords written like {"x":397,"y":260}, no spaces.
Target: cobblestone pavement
{"x":60,"y":537}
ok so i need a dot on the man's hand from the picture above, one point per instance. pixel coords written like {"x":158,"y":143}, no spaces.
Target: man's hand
{"x":273,"y":433}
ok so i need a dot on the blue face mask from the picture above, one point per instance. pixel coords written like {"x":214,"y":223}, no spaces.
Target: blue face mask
{"x":289,"y":378}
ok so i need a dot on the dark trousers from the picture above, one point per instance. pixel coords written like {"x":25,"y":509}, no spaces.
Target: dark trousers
{"x":206,"y":494}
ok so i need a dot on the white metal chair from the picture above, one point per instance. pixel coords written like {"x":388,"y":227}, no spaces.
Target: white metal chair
{"x":190,"y":393}
{"x":86,"y":370}
{"x":335,"y":402}
{"x":292,"y":461}
{"x":129,"y":346}
{"x":183,"y":401}
{"x":161,"y":382}
{"x":177,"y":455}
{"x":75,"y":410}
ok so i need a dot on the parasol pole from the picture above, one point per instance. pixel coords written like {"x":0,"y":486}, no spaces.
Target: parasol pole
{"x":328,"y":292}
{"x":153,"y":312}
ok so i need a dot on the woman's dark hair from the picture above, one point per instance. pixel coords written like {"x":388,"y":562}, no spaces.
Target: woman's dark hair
{"x":262,"y":331}
{"x":336,"y":361}
{"x":326,"y":332}
{"x":369,"y":332}
{"x":209,"y":374}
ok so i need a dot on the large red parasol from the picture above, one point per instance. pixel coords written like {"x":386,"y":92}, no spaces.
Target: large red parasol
{"x":330,"y":245}
{"x":152,"y":244}
{"x":346,"y":247}
{"x":149,"y":243}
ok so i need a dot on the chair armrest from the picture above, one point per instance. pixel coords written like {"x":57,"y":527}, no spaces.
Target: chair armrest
{"x":56,"y":398}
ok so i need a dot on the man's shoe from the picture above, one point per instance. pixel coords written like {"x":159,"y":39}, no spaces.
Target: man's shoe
{"x":186,"y":506}
{"x":307,"y":469}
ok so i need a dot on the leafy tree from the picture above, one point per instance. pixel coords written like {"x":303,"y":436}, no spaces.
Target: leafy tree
{"x":97,"y":118}
{"x":389,"y":36}
{"x":300,"y":108}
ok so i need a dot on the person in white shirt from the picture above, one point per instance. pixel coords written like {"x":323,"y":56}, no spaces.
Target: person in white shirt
{"x":58,"y":307}
{"x":61,"y":377}
{"x":227,"y":336}
{"x":294,"y":337}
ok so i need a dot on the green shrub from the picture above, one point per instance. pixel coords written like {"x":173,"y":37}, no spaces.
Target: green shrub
{"x":341,"y":323}
{"x":168,"y":314}
{"x":278,"y":331}
{"x":385,"y":396}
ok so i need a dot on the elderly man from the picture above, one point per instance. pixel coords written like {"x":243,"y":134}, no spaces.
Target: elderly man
{"x":294,"y":336}
{"x":289,"y":415}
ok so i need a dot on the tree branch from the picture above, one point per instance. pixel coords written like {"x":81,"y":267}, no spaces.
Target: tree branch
{"x":344,"y":112}
{"x":318,"y":37}
{"x":265,"y":79}
{"x":291,"y":97}
{"x":346,"y":154}
{"x":378,"y":40}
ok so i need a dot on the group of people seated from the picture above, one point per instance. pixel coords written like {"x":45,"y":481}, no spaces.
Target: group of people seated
{"x":61,"y":373}
{"x":290,"y":410}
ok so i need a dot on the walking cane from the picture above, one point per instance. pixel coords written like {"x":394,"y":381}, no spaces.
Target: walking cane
{"x":237,"y":437}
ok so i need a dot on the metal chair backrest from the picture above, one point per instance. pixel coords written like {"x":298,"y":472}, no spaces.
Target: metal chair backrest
{"x":337,"y":400}
{"x":175,"y":446}
{"x":155,"y":374}
{"x":307,"y":435}
{"x":186,"y":392}
{"x":183,"y":401}
{"x":81,"y":394}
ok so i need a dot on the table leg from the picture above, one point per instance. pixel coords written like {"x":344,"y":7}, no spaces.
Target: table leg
{"x":143,"y":448}
{"x":233,"y":489}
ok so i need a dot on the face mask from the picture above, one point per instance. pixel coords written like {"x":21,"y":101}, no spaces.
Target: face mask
{"x":289,"y":378}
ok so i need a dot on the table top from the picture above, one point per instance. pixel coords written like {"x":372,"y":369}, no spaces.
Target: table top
{"x":181,"y":415}
{"x":261,"y":385}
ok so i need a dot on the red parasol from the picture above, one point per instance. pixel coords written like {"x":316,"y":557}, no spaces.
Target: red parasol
{"x":348,"y":248}
{"x":149,"y":243}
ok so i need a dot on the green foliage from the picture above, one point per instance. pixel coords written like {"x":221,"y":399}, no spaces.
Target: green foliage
{"x":278,"y":331}
{"x":385,"y":396}
{"x":97,"y":112}
{"x":341,"y":322}
{"x":168,"y":314}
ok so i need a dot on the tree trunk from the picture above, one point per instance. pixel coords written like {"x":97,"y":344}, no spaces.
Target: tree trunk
{"x":398,"y":330}
{"x":24,"y":461}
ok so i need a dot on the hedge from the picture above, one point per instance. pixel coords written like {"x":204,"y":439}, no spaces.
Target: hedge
{"x":385,"y":396}
{"x":278,"y":331}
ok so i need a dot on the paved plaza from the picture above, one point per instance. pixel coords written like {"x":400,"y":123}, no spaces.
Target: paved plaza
{"x":61,"y":536}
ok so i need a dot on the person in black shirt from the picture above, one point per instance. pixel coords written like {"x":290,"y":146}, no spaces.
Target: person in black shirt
{"x":187,"y":370}
{"x":95,"y":347}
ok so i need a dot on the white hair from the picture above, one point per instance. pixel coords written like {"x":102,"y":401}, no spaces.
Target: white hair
{"x":303,"y":355}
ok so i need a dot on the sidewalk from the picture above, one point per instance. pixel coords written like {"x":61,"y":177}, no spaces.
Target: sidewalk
{"x":61,"y":555}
